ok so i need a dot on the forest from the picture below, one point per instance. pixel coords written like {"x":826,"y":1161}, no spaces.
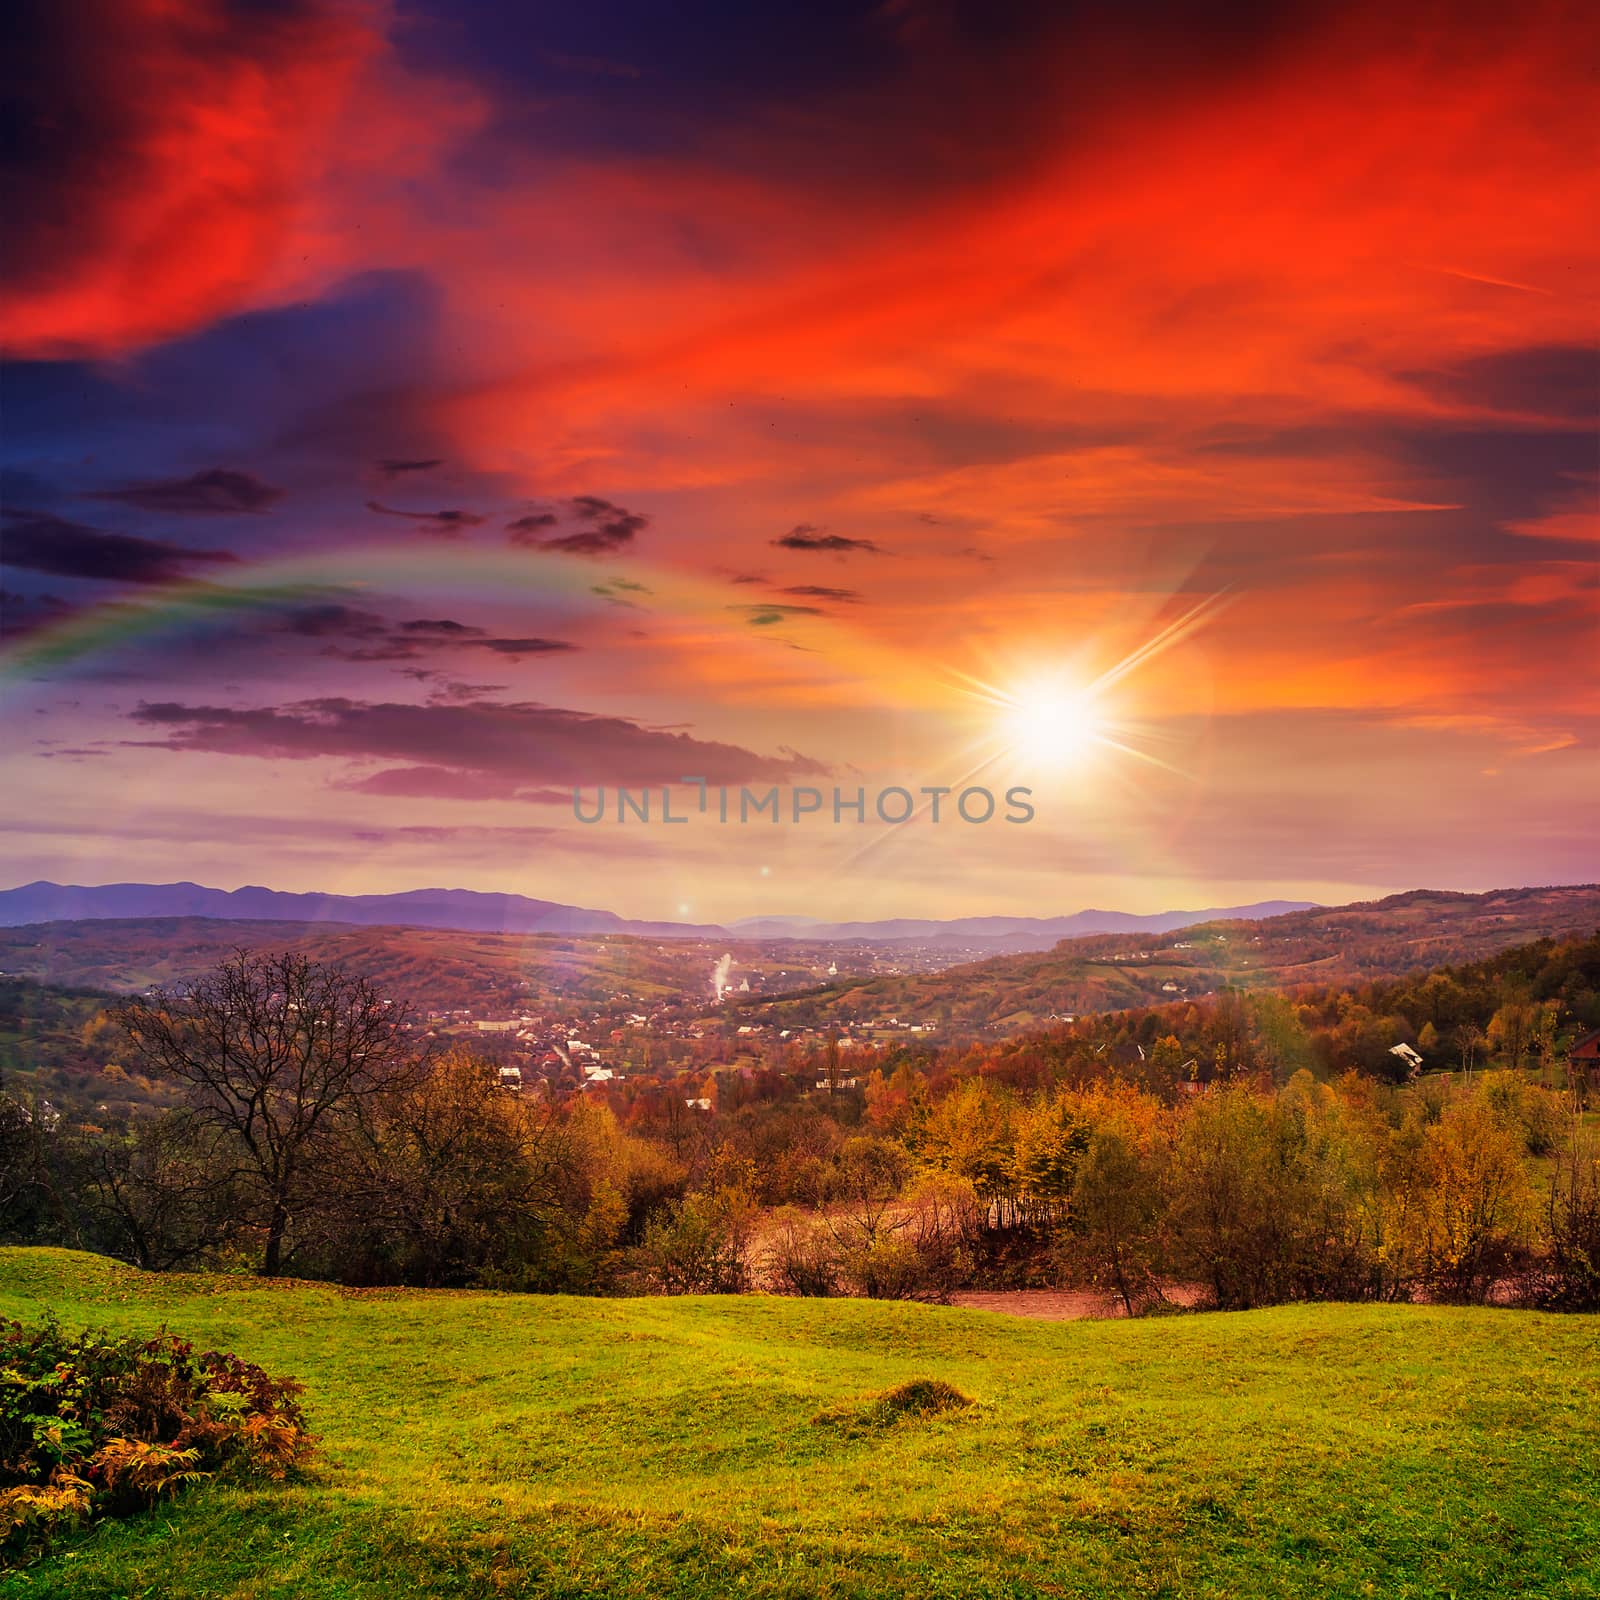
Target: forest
{"x":1252,"y":1148}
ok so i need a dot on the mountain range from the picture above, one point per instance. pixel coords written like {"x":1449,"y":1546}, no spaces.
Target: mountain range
{"x":473,"y":911}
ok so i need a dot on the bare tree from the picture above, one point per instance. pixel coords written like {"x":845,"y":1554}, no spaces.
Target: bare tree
{"x":166,"y":1187}
{"x":1471,"y":1038}
{"x":277,"y":1052}
{"x":20,"y":1163}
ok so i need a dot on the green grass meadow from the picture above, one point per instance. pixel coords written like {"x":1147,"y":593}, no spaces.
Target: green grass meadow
{"x":477,"y":1444}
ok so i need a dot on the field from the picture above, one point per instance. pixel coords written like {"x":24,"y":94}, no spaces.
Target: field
{"x":476,"y":1444}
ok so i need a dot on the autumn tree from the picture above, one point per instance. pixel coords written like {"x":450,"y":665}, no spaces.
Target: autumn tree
{"x":1051,"y":1137}
{"x":445,"y":1175}
{"x":1512,"y":1030}
{"x":1116,"y":1207}
{"x":969,"y":1135}
{"x":1477,"y":1197}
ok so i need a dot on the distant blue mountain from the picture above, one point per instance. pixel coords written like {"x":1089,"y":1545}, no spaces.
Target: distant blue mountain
{"x":1015,"y":933}
{"x":465,"y":909}
{"x":472,"y":911}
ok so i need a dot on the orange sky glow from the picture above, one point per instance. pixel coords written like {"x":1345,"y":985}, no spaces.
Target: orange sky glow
{"x":387,"y":379}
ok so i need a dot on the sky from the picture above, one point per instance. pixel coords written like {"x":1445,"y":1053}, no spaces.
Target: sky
{"x":415,"y":412}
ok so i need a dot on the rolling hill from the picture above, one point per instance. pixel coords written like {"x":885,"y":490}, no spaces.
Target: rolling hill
{"x":490,"y":972}
{"x":480,"y":1445}
{"x":431,"y":967}
{"x":1344,"y":944}
{"x":1003,"y":933}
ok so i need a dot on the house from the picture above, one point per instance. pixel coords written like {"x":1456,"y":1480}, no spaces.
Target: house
{"x":1413,"y":1062}
{"x":1583,"y":1065}
{"x":511,"y":1078}
{"x":1125,"y":1055}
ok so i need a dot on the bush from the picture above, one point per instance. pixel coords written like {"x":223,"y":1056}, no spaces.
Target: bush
{"x":802,"y":1258}
{"x":94,"y":1424}
{"x":1568,"y":1279}
{"x":697,"y":1245}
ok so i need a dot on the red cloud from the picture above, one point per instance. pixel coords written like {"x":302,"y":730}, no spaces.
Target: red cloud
{"x":178,"y":162}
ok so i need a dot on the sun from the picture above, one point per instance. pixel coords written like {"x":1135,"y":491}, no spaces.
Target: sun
{"x":1052,"y":724}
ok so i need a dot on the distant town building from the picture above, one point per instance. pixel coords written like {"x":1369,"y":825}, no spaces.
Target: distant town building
{"x":1409,"y":1056}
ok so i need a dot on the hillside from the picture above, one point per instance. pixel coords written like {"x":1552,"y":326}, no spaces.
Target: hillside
{"x":1001,"y":934}
{"x":430,"y":966}
{"x":482,"y":1445}
{"x":1344,"y":944}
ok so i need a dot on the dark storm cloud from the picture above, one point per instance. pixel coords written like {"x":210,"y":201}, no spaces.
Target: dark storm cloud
{"x":1502,"y":475}
{"x":366,"y":637}
{"x":96,"y":108}
{"x":854,"y":93}
{"x":305,"y":392}
{"x":443,"y":524}
{"x":441,"y":627}
{"x":806,"y":537}
{"x":39,"y":542}
{"x":526,"y":742}
{"x":221,"y":491}
{"x":525,"y":647}
{"x":330,"y":621}
{"x":22,"y":613}
{"x":606,"y":528}
{"x":1561,"y":382}
{"x":819,"y":591}
{"x":765,"y":616}
{"x":436,"y":783}
{"x":526,"y":530}
{"x":616,"y":591}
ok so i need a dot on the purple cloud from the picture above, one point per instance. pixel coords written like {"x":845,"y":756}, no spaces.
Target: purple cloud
{"x":521,"y":743}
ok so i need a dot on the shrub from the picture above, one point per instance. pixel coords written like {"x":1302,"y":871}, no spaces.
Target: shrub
{"x":97,"y":1424}
{"x":890,"y":1267}
{"x":697,"y":1245}
{"x":1569,"y":1277}
{"x":802,"y":1258}
{"x":1477,"y":1200}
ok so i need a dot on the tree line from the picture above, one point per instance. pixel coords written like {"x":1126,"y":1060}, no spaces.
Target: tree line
{"x":1255,"y":1151}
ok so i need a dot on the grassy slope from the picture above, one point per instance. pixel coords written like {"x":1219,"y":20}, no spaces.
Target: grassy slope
{"x":481,"y":1445}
